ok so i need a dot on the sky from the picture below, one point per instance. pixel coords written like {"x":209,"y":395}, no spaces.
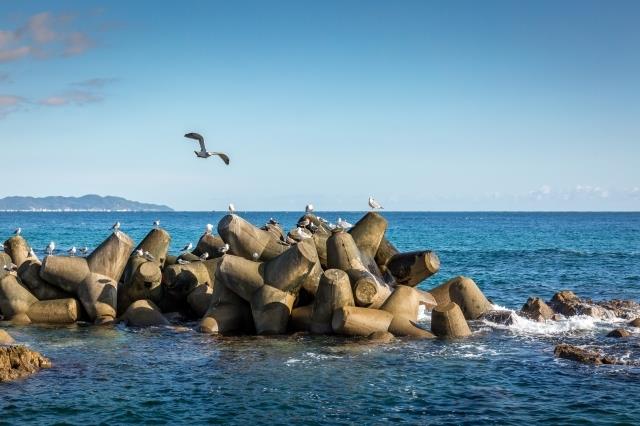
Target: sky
{"x":425,"y":105}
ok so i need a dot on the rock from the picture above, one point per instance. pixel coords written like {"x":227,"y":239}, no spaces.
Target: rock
{"x":569,"y":304}
{"x":584,"y":356}
{"x":621,"y":308}
{"x":619,"y":332}
{"x":18,"y":361}
{"x":381,"y":337}
{"x":144,"y":313}
{"x":536,"y":309}
{"x":499,"y":317}
{"x":635,"y":322}
{"x":5,"y":338}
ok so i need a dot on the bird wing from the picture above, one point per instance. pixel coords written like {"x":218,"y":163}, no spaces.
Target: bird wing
{"x":222,"y":155}
{"x":199,"y":138}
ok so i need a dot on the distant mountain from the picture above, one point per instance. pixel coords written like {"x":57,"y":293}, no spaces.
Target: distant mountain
{"x":84,"y":203}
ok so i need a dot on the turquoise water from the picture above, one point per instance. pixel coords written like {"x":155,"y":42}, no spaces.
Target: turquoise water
{"x":501,"y":375}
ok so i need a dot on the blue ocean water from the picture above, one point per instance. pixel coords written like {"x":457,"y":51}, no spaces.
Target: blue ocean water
{"x":501,"y":375}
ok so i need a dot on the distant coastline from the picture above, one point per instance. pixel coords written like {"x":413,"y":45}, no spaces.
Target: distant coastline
{"x":85,"y":203}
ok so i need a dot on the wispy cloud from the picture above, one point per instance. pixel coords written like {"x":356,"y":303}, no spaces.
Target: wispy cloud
{"x":96,"y":83}
{"x":44,"y":35}
{"x":9,"y":104}
{"x":74,"y":97}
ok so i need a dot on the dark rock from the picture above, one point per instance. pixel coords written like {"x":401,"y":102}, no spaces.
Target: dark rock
{"x":569,"y":304}
{"x":18,"y":361}
{"x":635,"y":322}
{"x":619,"y":332}
{"x":499,"y":317}
{"x":584,"y":356}
{"x":536,"y":309}
{"x":621,"y":308}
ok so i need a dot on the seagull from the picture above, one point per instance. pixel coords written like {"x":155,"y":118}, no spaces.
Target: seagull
{"x":12,"y":267}
{"x":156,"y":224}
{"x":256,"y":256}
{"x":304,"y":222}
{"x":312,"y":227}
{"x":148,"y":256}
{"x":203,"y":153}
{"x":322,"y":219}
{"x":187,"y":247}
{"x":374,"y":204}
{"x":204,"y":256}
{"x":139,"y":252}
{"x":309,"y":208}
{"x":51,"y":248}
{"x":72,"y":251}
{"x":18,"y":231}
{"x":232,"y":208}
{"x":223,"y":249}
{"x":31,"y":253}
{"x":183,"y":262}
{"x":115,"y":227}
{"x":343,"y":223}
{"x":208,"y":229}
{"x":84,"y":250}
{"x":298,"y":232}
{"x":272,"y":221}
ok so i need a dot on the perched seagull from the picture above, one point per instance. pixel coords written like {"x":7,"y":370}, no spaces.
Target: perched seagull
{"x":312,"y":227}
{"x":343,"y":223}
{"x":187,"y":247}
{"x":208,"y":229}
{"x":139,"y":252}
{"x":156,"y":224}
{"x":272,"y":221}
{"x":304,"y":223}
{"x":232,"y":208}
{"x":84,"y":250}
{"x":309,"y":208}
{"x":322,"y":219}
{"x":51,"y":248}
{"x":183,"y":262}
{"x":115,"y":227}
{"x":148,"y":256}
{"x":204,"y":256}
{"x":203,"y":153}
{"x":223,"y":249}
{"x":12,"y":267}
{"x":72,"y":251}
{"x":256,"y":256}
{"x":374,"y":204}
{"x":298,"y":232}
{"x":31,"y":253}
{"x":18,"y":231}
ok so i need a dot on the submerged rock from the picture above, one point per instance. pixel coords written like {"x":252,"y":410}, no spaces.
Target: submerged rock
{"x":536,"y":309}
{"x":584,"y":356}
{"x":18,"y":361}
{"x":619,"y":332}
{"x":499,"y":317}
{"x":635,"y":322}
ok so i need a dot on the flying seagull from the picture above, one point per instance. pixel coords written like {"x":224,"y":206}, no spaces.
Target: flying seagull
{"x":374,"y":204}
{"x":203,"y":153}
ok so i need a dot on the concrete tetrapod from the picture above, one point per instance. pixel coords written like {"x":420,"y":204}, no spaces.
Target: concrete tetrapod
{"x":447,"y":321}
{"x":271,"y":309}
{"x":93,"y":279}
{"x":18,"y":249}
{"x":142,"y":280}
{"x":209,"y":243}
{"x":301,"y":318}
{"x":298,"y":266}
{"x":60,"y":311}
{"x":143,"y":313}
{"x":182,"y":283}
{"x":245,"y":239}
{"x":334,"y":292}
{"x":465,"y":293}
{"x":29,"y":273}
{"x":355,"y":321}
{"x":15,"y":300}
{"x":228,"y":313}
{"x":367,"y":233}
{"x":368,"y":289}
{"x":404,"y":304}
{"x":386,"y":250}
{"x":413,"y":267}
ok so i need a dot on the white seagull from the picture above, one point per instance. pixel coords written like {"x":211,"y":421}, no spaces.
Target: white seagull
{"x":204,"y":256}
{"x":203,"y":153}
{"x":187,"y":247}
{"x":51,"y":248}
{"x":232,"y":208}
{"x":208,"y":229}
{"x":18,"y":231}
{"x":139,"y":252}
{"x":343,"y":223}
{"x":300,"y":233}
{"x":84,"y":250}
{"x":309,"y":208}
{"x":31,"y":253}
{"x":156,"y":224}
{"x":72,"y":251}
{"x":183,"y":262}
{"x":374,"y":204}
{"x":115,"y":227}
{"x":223,"y":249}
{"x":12,"y":267}
{"x":148,"y":256}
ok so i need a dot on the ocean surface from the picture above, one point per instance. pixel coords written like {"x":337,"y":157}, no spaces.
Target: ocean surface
{"x":500,"y":375}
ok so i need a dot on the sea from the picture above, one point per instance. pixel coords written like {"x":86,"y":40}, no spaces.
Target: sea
{"x":500,"y":375}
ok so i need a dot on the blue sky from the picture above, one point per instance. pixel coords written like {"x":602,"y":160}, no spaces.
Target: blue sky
{"x":425,"y":105}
